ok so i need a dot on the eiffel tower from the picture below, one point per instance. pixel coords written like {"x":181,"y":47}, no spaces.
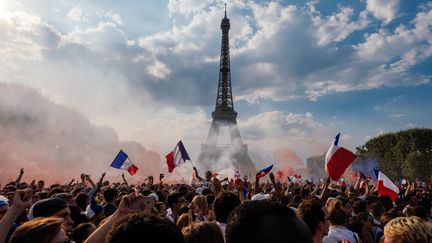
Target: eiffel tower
{"x":214,"y":155}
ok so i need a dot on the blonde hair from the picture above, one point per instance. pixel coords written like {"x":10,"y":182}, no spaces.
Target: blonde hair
{"x":409,"y":229}
{"x":38,"y":230}
{"x":201,"y":202}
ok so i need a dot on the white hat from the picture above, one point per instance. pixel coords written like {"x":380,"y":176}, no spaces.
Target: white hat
{"x":156,"y":197}
{"x":260,"y":196}
{"x":199,"y":190}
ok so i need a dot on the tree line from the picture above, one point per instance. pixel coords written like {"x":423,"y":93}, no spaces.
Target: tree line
{"x":403,"y":154}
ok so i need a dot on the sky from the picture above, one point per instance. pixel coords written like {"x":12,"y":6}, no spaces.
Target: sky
{"x":146,"y":73}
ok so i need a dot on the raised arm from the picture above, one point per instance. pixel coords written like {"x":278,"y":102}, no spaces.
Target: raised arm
{"x":357,"y":184}
{"x":18,"y":180}
{"x":324,"y":191}
{"x":197,"y":175}
{"x":99,"y":183}
{"x":124,"y":180}
{"x":125,"y":207}
{"x":367,"y":191}
{"x":257,"y":188}
{"x":87,"y":177}
{"x":21,"y":201}
{"x":277,"y":188}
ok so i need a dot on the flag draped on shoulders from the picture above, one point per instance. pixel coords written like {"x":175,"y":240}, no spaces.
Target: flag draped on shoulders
{"x":337,"y":160}
{"x":176,"y":157}
{"x":264,"y":171}
{"x":122,"y":162}
{"x":385,"y":186}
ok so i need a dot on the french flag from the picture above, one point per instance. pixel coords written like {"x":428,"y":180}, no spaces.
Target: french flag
{"x":385,"y":186}
{"x":122,"y":162}
{"x":176,"y":157}
{"x":264,"y":172}
{"x":337,"y":160}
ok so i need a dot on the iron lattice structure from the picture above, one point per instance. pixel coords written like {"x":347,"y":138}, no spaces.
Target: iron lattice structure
{"x":224,"y":115}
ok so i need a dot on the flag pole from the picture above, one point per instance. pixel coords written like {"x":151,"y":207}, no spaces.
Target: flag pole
{"x":192,"y":163}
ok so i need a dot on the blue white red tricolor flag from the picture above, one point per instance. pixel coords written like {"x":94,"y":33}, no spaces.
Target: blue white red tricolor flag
{"x":337,"y":160}
{"x":176,"y":157}
{"x":122,"y":162}
{"x":264,"y":172}
{"x":294,"y":178}
{"x":385,"y":186}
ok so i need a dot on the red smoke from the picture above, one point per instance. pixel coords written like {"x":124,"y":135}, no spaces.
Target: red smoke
{"x":55,"y":143}
{"x":287,"y":163}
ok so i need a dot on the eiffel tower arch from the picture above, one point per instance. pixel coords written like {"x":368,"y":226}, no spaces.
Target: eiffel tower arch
{"x":215,"y":156}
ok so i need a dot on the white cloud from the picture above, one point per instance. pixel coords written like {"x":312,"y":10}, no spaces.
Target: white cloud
{"x":410,"y":125}
{"x":116,"y":18}
{"x":186,"y":7}
{"x":158,"y":69}
{"x":396,"y":115}
{"x":405,"y":46}
{"x":338,"y":26}
{"x":383,"y":9}
{"x":76,"y":14}
{"x":24,"y":37}
{"x":346,"y":137}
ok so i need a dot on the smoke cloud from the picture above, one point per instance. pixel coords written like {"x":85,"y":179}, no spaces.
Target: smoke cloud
{"x":56,"y":143}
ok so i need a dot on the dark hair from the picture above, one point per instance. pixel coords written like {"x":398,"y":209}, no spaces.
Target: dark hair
{"x":389,"y":215}
{"x":359,"y":206}
{"x":265,"y":221}
{"x":311,"y":212}
{"x":224,"y":204}
{"x":139,"y":227}
{"x":377,"y":209}
{"x":55,"y":190}
{"x":203,"y":232}
{"x":82,"y":232}
{"x":82,"y":200}
{"x":336,"y":215}
{"x":421,"y":212}
{"x":386,"y":202}
{"x":210,"y":200}
{"x":76,"y":215}
{"x":206,"y":191}
{"x":343,"y":200}
{"x":409,"y":196}
{"x":173,"y":198}
{"x":109,"y":194}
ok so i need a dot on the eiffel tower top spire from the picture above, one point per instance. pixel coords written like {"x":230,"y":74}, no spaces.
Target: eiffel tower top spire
{"x":224,"y":108}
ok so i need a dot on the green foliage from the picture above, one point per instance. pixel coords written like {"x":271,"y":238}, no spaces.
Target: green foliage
{"x":403,"y":154}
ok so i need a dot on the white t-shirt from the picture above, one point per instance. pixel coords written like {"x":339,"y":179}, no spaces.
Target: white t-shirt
{"x":338,"y":232}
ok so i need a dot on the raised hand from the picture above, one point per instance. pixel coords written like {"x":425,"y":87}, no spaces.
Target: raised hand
{"x":131,"y":203}
{"x":23,"y":199}
{"x":327,"y":182}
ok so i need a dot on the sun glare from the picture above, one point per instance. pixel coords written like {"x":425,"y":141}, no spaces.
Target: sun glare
{"x":4,"y":8}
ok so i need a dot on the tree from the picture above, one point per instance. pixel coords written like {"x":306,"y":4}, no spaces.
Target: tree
{"x":403,"y":154}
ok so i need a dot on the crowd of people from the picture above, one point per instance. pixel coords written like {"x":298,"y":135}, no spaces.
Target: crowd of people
{"x":212,"y":210}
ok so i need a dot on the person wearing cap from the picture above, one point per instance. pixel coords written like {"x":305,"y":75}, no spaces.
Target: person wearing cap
{"x":53,"y":207}
{"x":260,"y":196}
{"x":21,"y":201}
{"x":4,"y":207}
